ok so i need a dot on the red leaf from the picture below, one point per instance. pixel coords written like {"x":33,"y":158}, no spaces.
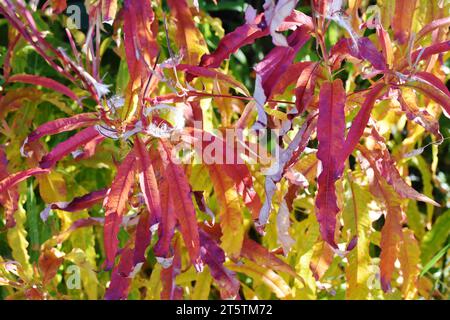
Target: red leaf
{"x":360,"y":122}
{"x":330,"y":134}
{"x":81,"y":203}
{"x":241,"y":36}
{"x":402,"y":20}
{"x":140,"y":30}
{"x":17,"y":177}
{"x":288,"y":78}
{"x":45,"y":82}
{"x":120,"y":280}
{"x":170,"y":291}
{"x":425,"y":53}
{"x":214,"y":257}
{"x":49,"y":262}
{"x":213,"y":74}
{"x":390,"y":238}
{"x":433,"y":92}
{"x":363,"y":50}
{"x":115,"y":204}
{"x":149,"y":188}
{"x":278,"y":60}
{"x":167,"y":224}
{"x":389,"y":171}
{"x":182,"y":202}
{"x":64,"y":148}
{"x":188,"y":36}
{"x":63,"y":125}
{"x":304,"y":90}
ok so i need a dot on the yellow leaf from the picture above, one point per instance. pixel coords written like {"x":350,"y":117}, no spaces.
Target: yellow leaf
{"x":17,"y":240}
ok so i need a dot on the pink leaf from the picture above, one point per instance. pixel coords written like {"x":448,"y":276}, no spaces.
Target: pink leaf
{"x":45,"y":82}
{"x":182,"y":202}
{"x":330,"y":134}
{"x":64,"y":148}
{"x":360,"y":122}
{"x":17,"y":177}
{"x":115,"y":204}
{"x":63,"y":125}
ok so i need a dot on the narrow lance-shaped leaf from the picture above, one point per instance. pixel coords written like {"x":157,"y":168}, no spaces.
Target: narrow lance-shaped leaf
{"x":17,"y":177}
{"x":149,"y":188}
{"x":68,"y":146}
{"x":330,"y":134}
{"x":187,"y":35}
{"x":304,"y":90}
{"x":360,"y":122}
{"x":170,"y":290}
{"x":45,"y":82}
{"x":115,"y":205}
{"x":231,"y":219}
{"x":390,"y":239}
{"x":81,"y":203}
{"x":402,"y":20}
{"x":214,"y":257}
{"x":182,"y":202}
{"x":167,"y":224}
{"x":120,"y":277}
{"x":62,"y":125}
{"x":390,"y":172}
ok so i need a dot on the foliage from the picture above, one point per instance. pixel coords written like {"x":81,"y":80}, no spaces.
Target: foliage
{"x":118,"y":178}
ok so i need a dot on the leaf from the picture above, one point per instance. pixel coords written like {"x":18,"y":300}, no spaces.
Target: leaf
{"x":52,"y":187}
{"x":214,"y":257}
{"x":275,"y":13}
{"x":109,"y":9}
{"x":45,"y":82}
{"x":17,"y":240}
{"x":276,"y":63}
{"x":231,"y":219}
{"x":168,"y":221}
{"x":360,"y":122}
{"x":213,"y":74}
{"x":241,"y":36}
{"x":434,"y":260}
{"x":115,"y":204}
{"x":188,"y":37}
{"x":171,"y":291}
{"x":357,"y":222}
{"x":390,"y":239}
{"x":18,"y":177}
{"x":49,"y":262}
{"x":409,"y":261}
{"x":433,"y":25}
{"x":182,"y":203}
{"x":120,"y":278}
{"x":149,"y":188}
{"x":390,"y":172}
{"x":362,"y":49}
{"x":64,"y":148}
{"x":272,"y":280}
{"x":10,"y":197}
{"x":436,"y":237}
{"x":402,"y":21}
{"x":421,"y":117}
{"x":330,"y":134}
{"x":81,"y":203}
{"x":62,"y":125}
{"x":304,"y":89}
{"x":283,"y":224}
